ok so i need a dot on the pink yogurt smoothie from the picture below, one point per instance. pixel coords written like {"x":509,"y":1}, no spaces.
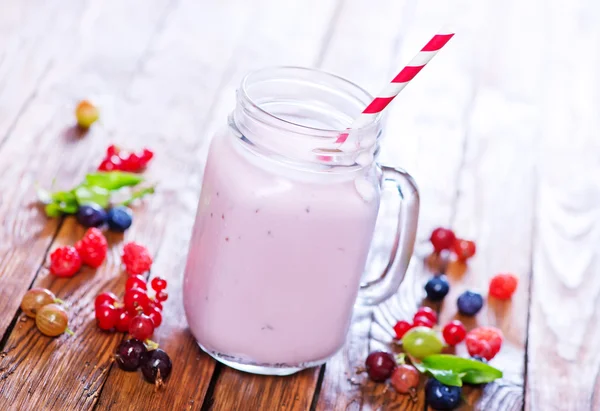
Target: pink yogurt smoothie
{"x":275,"y":259}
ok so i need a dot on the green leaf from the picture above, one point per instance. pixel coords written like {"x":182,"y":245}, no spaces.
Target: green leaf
{"x":473,"y":372}
{"x":64,"y":197}
{"x":92,"y":194}
{"x":112,"y":180}
{"x":445,"y":377}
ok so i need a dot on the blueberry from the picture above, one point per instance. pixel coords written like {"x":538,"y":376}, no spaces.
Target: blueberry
{"x":440,"y":396}
{"x":91,"y":215}
{"x":437,"y":288}
{"x":478,"y":358}
{"x":469,"y":303}
{"x":119,"y":218}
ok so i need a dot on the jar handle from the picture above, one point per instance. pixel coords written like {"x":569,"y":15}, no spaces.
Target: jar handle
{"x":378,"y":290}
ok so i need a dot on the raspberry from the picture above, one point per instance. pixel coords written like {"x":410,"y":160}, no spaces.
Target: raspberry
{"x":484,"y":342}
{"x":65,"y":262}
{"x":136,"y":258}
{"x":503,"y":286}
{"x":92,"y":247}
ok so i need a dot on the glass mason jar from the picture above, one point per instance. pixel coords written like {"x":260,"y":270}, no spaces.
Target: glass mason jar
{"x":285,"y":222}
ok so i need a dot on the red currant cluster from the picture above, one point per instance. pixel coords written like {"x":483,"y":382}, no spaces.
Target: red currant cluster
{"x":123,"y":160}
{"x":91,"y":250}
{"x":444,"y":239}
{"x":140,"y":312}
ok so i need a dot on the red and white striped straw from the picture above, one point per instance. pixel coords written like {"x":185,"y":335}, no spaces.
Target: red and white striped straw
{"x":399,"y":82}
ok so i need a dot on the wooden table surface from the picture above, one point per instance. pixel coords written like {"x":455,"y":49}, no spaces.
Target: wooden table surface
{"x":501,"y":132}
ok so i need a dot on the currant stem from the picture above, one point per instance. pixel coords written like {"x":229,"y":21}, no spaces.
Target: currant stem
{"x":69,"y":332}
{"x":138,"y":194}
{"x":151,"y":345}
{"x":59,"y":301}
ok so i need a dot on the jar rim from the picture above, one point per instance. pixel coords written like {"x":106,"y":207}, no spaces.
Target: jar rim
{"x":353,"y":90}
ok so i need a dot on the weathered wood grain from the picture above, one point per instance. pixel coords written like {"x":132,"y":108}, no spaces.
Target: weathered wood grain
{"x":562,"y":348}
{"x":28,"y":49}
{"x":74,"y":369}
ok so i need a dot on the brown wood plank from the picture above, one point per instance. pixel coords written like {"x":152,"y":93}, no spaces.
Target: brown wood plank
{"x":424,"y":134}
{"x":29,"y":47}
{"x":562,"y":349}
{"x":69,"y":372}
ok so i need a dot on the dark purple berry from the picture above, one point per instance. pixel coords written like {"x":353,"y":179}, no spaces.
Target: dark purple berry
{"x":91,"y":215}
{"x":380,"y":365}
{"x":156,"y":366}
{"x":129,"y":354}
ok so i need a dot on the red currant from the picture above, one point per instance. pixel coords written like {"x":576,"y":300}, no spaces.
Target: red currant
{"x":158,"y":284}
{"x":464,"y":249}
{"x":162,"y":296}
{"x":130,"y":162}
{"x":442,"y":239}
{"x":108,"y":298}
{"x":65,"y":261}
{"x":454,"y":332}
{"x":106,"y":316}
{"x":136,"y":281}
{"x":484,"y":342}
{"x":503,"y":286}
{"x":426,"y":312}
{"x":401,"y":328}
{"x":135,"y":298}
{"x":157,"y":304}
{"x":155,"y":315}
{"x":141,"y":327}
{"x":123,"y":320}
{"x":421,"y":320}
{"x":112,"y":150}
